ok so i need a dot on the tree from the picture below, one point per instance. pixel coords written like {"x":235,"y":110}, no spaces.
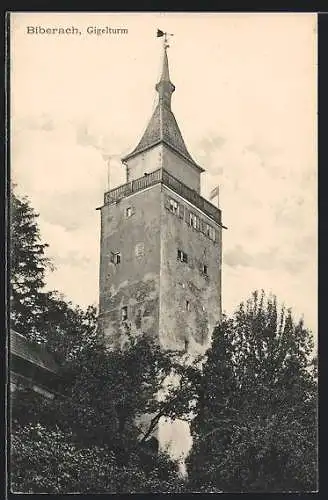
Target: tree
{"x":51,"y":461}
{"x":255,"y":424}
{"x":66,"y":328}
{"x":40,"y":315}
{"x":90,"y":439}
{"x":114,"y":394}
{"x":28,"y":267}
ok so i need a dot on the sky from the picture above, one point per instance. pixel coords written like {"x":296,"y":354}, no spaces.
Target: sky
{"x":245,"y":102}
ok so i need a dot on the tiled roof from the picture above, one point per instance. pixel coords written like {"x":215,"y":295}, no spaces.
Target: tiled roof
{"x":162,"y":127}
{"x":35,"y":353}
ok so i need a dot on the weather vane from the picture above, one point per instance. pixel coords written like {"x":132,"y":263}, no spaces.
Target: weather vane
{"x":166,"y":36}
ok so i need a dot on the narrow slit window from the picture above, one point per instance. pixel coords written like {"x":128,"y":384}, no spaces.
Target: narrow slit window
{"x":205,"y":269}
{"x":128,"y":211}
{"x":187,"y":305}
{"x":182,"y":256}
{"x":124,"y":313}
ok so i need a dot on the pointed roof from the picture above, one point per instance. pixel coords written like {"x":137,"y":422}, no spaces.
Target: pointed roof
{"x":163,"y":127}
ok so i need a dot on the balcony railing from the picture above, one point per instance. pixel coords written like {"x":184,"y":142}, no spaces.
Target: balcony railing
{"x":168,"y":180}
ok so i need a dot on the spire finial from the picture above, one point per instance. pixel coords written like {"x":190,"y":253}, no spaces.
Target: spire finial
{"x":166,"y":35}
{"x":165,"y":87}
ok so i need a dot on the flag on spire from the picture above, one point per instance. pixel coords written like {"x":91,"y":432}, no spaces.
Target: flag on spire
{"x":160,"y":33}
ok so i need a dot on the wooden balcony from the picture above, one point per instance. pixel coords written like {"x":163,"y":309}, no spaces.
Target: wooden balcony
{"x":162,"y":176}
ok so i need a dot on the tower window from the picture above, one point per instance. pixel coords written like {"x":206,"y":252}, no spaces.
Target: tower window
{"x":205,"y":269}
{"x":128,"y":212}
{"x":174,"y":206}
{"x":115,"y":257}
{"x":124,"y":313}
{"x":187,"y":305}
{"x":182,"y":256}
{"x":210,"y":232}
{"x":194,"y":221}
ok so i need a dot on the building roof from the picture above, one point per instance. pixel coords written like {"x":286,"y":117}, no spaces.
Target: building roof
{"x":163,"y":127}
{"x":32,"y":352}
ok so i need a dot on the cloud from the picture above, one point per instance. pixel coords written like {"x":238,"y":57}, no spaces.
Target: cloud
{"x":261,"y":260}
{"x":41,"y":122}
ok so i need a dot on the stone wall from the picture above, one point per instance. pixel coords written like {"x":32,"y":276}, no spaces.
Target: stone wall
{"x":145,"y":162}
{"x":132,"y":228}
{"x":178,"y":302}
{"x":181,"y":169}
{"x":190,"y":299}
{"x":161,"y":156}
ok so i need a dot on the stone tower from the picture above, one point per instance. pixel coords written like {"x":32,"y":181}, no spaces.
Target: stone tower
{"x":161,"y":241}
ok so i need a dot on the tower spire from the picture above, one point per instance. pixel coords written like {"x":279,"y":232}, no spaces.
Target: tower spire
{"x":162,"y":127}
{"x":165,"y":87}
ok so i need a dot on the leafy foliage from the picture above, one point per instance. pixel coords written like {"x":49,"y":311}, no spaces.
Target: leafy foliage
{"x":255,"y":428}
{"x":51,"y":461}
{"x":67,"y":329}
{"x":90,"y":440}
